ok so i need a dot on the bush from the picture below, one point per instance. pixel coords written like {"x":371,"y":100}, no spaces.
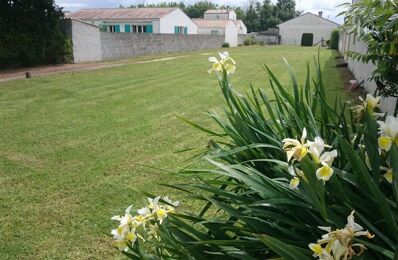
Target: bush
{"x":225,"y":45}
{"x":32,"y":33}
{"x":307,"y":39}
{"x":68,"y":50}
{"x":292,"y":177}
{"x":334,"y":40}
{"x":327,"y":43}
{"x":249,"y":41}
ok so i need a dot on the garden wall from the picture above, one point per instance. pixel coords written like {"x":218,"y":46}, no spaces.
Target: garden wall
{"x":89,"y":44}
{"x":362,"y":71}
{"x":122,"y":45}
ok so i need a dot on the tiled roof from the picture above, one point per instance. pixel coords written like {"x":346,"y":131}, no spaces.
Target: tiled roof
{"x":211,"y":23}
{"x":120,"y":13}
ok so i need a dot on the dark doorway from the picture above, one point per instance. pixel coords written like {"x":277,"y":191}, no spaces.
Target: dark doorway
{"x":307,"y":39}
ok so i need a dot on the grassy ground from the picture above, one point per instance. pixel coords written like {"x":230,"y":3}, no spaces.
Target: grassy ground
{"x":70,"y":143}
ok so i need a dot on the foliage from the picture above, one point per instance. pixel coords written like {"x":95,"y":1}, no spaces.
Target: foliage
{"x":32,"y":33}
{"x":376,"y":23}
{"x":262,"y":16}
{"x":334,"y":40}
{"x":91,"y":172}
{"x":307,"y":39}
{"x":225,"y":45}
{"x":68,"y":51}
{"x":275,"y":196}
{"x":249,"y":41}
{"x":102,"y":28}
{"x":327,"y":43}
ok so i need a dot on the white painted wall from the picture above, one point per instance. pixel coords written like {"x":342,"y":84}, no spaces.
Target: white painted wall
{"x":363,"y":71}
{"x":86,"y":42}
{"x":208,"y":30}
{"x":231,"y":15}
{"x":242,"y":29}
{"x":230,"y":31}
{"x":177,"y":18}
{"x":292,"y":30}
{"x":231,"y":34}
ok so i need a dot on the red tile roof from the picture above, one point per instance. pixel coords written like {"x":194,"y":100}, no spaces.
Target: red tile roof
{"x":120,"y":13}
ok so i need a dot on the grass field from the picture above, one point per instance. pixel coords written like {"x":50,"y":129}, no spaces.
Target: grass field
{"x":70,"y":144}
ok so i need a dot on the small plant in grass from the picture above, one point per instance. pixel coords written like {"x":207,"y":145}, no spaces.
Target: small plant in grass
{"x":293,"y":178}
{"x":225,"y":45}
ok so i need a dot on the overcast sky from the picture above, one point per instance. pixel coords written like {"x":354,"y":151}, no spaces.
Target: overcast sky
{"x":329,"y":7}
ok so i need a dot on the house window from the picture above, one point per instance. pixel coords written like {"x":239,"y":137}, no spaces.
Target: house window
{"x":180,"y":30}
{"x":214,"y":32}
{"x":112,"y":28}
{"x":139,"y":28}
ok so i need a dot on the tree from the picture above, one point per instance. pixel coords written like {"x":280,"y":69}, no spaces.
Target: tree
{"x":240,"y":14}
{"x":32,"y":33}
{"x":267,"y":18}
{"x":252,"y":20}
{"x":285,"y":9}
{"x":198,"y":9}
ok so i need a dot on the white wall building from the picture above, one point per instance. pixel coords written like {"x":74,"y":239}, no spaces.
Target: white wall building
{"x":221,"y":22}
{"x":220,"y":14}
{"x":219,"y":27}
{"x":138,"y":20}
{"x":292,"y":30}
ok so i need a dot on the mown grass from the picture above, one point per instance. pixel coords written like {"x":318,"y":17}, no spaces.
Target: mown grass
{"x":71,"y":144}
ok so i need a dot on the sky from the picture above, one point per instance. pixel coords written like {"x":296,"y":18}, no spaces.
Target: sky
{"x":329,"y":7}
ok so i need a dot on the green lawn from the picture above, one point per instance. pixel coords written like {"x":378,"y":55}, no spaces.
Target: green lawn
{"x":70,"y":144}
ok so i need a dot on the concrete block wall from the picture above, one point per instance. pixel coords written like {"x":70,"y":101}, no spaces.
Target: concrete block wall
{"x":362,"y":71}
{"x":119,"y":45}
{"x":86,"y":41}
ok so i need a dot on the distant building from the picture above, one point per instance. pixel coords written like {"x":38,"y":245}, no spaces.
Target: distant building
{"x":220,"y":14}
{"x":138,"y":20}
{"x":221,"y":22}
{"x":291,"y":31}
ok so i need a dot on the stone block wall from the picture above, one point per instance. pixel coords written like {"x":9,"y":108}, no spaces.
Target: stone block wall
{"x":123,"y":45}
{"x":89,"y":44}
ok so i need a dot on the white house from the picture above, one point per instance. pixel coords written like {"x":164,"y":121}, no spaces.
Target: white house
{"x":292,"y":30}
{"x":242,"y":29}
{"x":138,"y":20}
{"x":220,"y":14}
{"x":219,"y":27}
{"x":221,"y":22}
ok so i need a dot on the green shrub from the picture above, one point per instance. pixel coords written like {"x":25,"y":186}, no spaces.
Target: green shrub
{"x":334,"y":40}
{"x":327,"y":43}
{"x":225,"y":45}
{"x":68,"y":51}
{"x":249,"y":41}
{"x":288,"y":169}
{"x":32,"y":33}
{"x":307,"y":39}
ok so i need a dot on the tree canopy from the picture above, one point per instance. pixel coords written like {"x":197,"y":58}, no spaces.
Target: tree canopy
{"x":32,"y":33}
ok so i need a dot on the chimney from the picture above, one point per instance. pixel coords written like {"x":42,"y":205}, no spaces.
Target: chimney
{"x":320,"y":13}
